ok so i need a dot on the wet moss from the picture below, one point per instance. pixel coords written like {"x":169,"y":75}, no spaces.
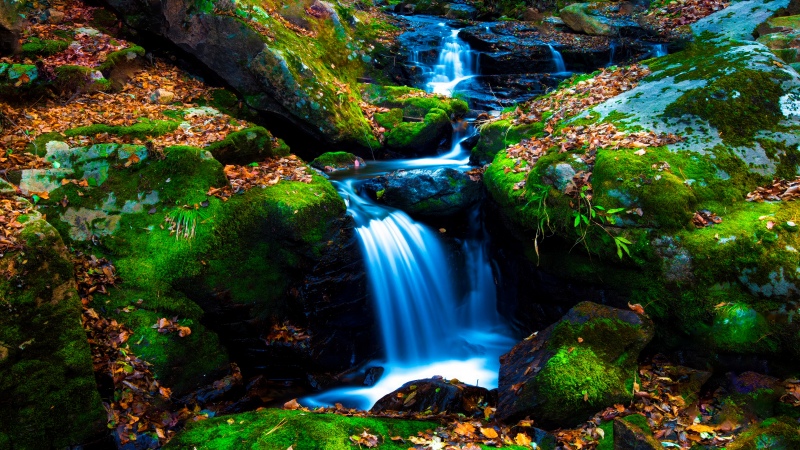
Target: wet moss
{"x":120,"y":56}
{"x":500,"y":134}
{"x":411,"y":136}
{"x":774,"y":433}
{"x":336,"y":160}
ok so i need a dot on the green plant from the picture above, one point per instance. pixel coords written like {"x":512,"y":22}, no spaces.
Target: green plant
{"x":588,"y":215}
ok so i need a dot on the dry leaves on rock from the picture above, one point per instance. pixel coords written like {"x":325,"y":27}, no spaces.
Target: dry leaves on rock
{"x":779,"y":190}
{"x":287,"y":334}
{"x":705,"y":218}
{"x":569,"y":101}
{"x":266,"y":173}
{"x":677,"y":13}
{"x":166,"y":326}
{"x":10,"y":210}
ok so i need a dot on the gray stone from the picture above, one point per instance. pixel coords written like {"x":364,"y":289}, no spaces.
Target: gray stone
{"x":589,"y":19}
{"x":426,"y":192}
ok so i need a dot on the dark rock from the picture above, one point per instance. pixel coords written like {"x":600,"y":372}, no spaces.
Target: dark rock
{"x":10,"y":29}
{"x":373,"y":375}
{"x":268,"y":76}
{"x":749,"y":382}
{"x":426,"y":192}
{"x":574,"y":368}
{"x":628,"y":436}
{"x":437,"y":395}
{"x":405,"y":8}
{"x":459,"y":11}
{"x":470,"y":142}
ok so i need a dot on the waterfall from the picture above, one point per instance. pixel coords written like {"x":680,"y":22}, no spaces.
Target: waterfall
{"x":457,"y":62}
{"x":414,"y":300}
{"x":479,"y":311}
{"x":613,"y":48}
{"x":658,"y":50}
{"x":558,"y":61}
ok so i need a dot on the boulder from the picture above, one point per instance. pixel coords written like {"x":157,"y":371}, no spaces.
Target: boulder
{"x":780,"y":433}
{"x":460,"y":11}
{"x":48,"y":393}
{"x":426,"y":192}
{"x":628,"y":436}
{"x":10,"y":28}
{"x":574,"y":368}
{"x":296,"y":78}
{"x":332,"y":161}
{"x":733,"y":118}
{"x":437,"y":395}
{"x":590,"y":19}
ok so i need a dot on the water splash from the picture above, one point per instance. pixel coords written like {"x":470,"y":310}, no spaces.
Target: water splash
{"x":558,"y":60}
{"x":457,"y":62}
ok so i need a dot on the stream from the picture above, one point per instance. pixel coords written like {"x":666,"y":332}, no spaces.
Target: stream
{"x":432,"y":321}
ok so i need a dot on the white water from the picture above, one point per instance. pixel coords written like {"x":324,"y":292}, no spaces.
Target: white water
{"x":457,"y":62}
{"x":429,"y":324}
{"x":659,"y":50}
{"x":558,"y":60}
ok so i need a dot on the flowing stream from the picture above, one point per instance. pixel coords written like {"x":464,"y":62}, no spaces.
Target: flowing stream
{"x":430,"y":325}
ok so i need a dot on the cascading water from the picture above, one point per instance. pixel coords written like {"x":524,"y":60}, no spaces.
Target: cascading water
{"x":558,"y":60}
{"x":428,"y":327}
{"x":457,"y":63}
{"x":658,"y":50}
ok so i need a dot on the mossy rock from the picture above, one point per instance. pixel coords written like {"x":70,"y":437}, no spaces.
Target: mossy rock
{"x":246,"y":146}
{"x":420,"y":137}
{"x":35,"y":47}
{"x":47,"y":384}
{"x":280,"y":429}
{"x":774,"y":433}
{"x":336,"y":161}
{"x":500,"y":134}
{"x":253,"y":246}
{"x":582,"y":364}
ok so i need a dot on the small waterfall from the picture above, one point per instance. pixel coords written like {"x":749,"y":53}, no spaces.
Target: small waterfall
{"x":457,"y":62}
{"x":659,"y":50}
{"x":479,"y":310}
{"x":558,"y":60}
{"x":613,"y":49}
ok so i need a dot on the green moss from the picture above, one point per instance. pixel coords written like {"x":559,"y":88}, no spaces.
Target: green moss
{"x":47,"y":384}
{"x":39,"y":144}
{"x":74,"y":78}
{"x":415,"y":135}
{"x":738,"y":105}
{"x":334,"y":159}
{"x":279,"y":430}
{"x":119,"y":56}
{"x":390,"y":119}
{"x":777,"y":434}
{"x":35,"y":47}
{"x":141,"y":130}
{"x":248,"y":145}
{"x":575,"y":383}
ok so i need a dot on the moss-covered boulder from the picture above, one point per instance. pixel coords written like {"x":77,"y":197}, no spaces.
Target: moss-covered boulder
{"x":426,"y":192}
{"x":416,"y":123}
{"x":280,"y":429}
{"x":436,"y":395}
{"x":577,"y":366}
{"x":297,"y":61}
{"x":777,"y":433}
{"x":48,"y":395}
{"x":332,"y":161}
{"x":589,"y":18}
{"x":734,"y":104}
{"x":246,"y":146}
{"x":181,"y":251}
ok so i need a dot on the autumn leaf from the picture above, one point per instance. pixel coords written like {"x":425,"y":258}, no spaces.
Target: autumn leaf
{"x":464,"y":428}
{"x":637,"y":308}
{"x":292,"y":404}
{"x":489,"y":432}
{"x":522,"y":439}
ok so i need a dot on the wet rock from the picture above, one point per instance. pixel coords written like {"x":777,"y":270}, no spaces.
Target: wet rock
{"x":749,"y":382}
{"x":590,"y":19}
{"x":437,"y":395}
{"x":405,"y":8}
{"x":373,"y":375}
{"x":560,"y":175}
{"x":628,"y":436}
{"x":426,"y":192}
{"x":54,"y":16}
{"x":772,"y":433}
{"x":574,"y":368}
{"x":470,"y":142}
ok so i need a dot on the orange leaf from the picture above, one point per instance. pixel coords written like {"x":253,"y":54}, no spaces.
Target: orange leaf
{"x":637,"y":308}
{"x":489,"y":432}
